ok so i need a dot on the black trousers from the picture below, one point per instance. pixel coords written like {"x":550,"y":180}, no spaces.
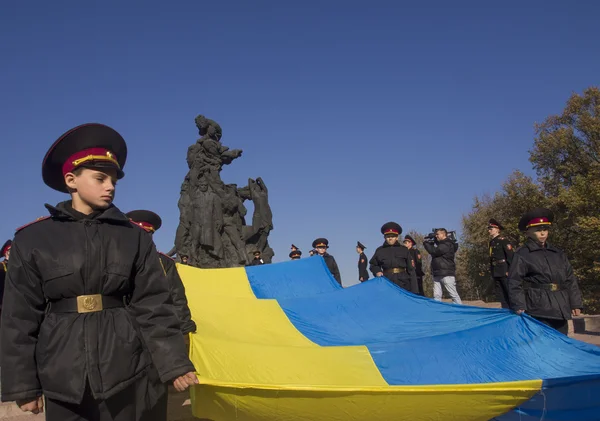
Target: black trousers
{"x":561,"y":325}
{"x":127,"y":405}
{"x":501,"y":286}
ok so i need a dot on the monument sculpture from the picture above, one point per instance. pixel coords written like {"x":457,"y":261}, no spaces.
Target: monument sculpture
{"x":212,"y":230}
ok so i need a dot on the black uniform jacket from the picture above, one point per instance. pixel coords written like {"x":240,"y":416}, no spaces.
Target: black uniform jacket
{"x":68,"y":255}
{"x":388,"y":257}
{"x":333,"y":267}
{"x":178,"y":295}
{"x":3,"y":269}
{"x":256,"y":262}
{"x":442,"y":257}
{"x":362,"y":267}
{"x":501,"y":256}
{"x":534,"y":266}
{"x":417,"y":258}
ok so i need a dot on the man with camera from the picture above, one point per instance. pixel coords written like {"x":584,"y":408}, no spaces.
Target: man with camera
{"x":442,"y":250}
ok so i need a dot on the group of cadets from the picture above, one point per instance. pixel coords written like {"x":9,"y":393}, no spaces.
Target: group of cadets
{"x":84,"y":288}
{"x":537,"y":279}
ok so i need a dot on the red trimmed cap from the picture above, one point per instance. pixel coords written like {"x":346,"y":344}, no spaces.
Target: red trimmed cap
{"x":88,"y":156}
{"x":146,"y":219}
{"x":538,"y":221}
{"x":320,"y":242}
{"x":535,"y":218}
{"x":5,"y":247}
{"x":391,"y":228}
{"x":89,"y":145}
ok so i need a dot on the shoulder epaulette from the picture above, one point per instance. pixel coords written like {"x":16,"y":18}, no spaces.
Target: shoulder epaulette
{"x":166,"y":255}
{"x":41,"y":218}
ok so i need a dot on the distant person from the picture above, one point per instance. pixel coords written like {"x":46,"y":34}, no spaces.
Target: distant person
{"x":393,"y":260}
{"x":501,"y":256}
{"x":321,"y":245}
{"x":257,"y":260}
{"x":541,"y":281}
{"x":442,"y":251}
{"x":294,"y":248}
{"x":295,"y":254}
{"x":151,"y":222}
{"x":313,"y":252}
{"x":411,"y":245}
{"x":363,"y":275}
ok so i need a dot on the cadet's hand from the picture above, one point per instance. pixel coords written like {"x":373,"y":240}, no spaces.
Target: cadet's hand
{"x":576,"y":312}
{"x":519,"y":312}
{"x":379,"y":274}
{"x":183,"y":382}
{"x":35,"y":406}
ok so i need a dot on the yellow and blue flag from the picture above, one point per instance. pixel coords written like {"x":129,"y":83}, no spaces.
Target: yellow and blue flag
{"x":285,"y":342}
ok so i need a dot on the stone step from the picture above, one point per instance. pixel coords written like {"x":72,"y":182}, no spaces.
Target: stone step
{"x":587,"y":324}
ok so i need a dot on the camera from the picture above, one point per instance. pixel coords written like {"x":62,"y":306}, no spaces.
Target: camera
{"x":430,"y":238}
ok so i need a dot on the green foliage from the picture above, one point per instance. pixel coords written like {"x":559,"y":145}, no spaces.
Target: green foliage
{"x":566,"y":158}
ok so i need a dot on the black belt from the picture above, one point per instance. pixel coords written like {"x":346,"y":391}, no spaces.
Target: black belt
{"x":547,"y":287}
{"x":86,"y":304}
{"x":495,"y":262}
{"x":394,"y":270}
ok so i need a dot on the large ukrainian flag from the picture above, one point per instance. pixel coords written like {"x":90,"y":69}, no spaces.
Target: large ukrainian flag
{"x":286,"y":342}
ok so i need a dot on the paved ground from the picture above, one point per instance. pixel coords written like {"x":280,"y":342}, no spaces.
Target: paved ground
{"x":179,"y":409}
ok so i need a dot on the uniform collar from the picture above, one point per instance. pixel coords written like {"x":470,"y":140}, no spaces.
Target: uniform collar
{"x":64,"y":210}
{"x":533,"y":245}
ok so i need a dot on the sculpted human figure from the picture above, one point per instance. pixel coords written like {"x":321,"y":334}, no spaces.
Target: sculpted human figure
{"x":207,"y":221}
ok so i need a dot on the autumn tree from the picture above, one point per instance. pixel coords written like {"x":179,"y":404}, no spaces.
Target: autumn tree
{"x":566,"y":158}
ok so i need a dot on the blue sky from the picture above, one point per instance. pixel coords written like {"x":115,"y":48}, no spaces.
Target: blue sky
{"x":354,"y":113}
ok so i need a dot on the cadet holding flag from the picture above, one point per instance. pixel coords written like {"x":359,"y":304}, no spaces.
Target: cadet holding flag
{"x":87,"y":320}
{"x":393,"y":260}
{"x":151,"y":222}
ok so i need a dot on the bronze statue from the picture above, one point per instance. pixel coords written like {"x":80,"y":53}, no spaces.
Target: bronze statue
{"x":212,"y":230}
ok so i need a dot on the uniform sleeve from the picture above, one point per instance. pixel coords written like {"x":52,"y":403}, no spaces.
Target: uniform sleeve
{"x":178,"y":297}
{"x":152,"y":308}
{"x":336,"y":271}
{"x":508,"y":252}
{"x":375,"y":264}
{"x":22,"y":315}
{"x":438,"y":251}
{"x":410,"y":268}
{"x":419,"y":263}
{"x":572,"y":286}
{"x":516,"y":274}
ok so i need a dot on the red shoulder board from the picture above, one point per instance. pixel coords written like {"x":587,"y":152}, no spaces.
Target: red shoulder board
{"x":41,"y":218}
{"x":165,"y":255}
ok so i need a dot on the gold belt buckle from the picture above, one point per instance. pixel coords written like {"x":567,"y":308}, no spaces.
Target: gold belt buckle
{"x":553,"y":287}
{"x":396,"y":270}
{"x":89,"y":303}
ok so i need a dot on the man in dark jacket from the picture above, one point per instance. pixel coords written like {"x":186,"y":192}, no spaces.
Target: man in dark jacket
{"x":501,"y":255}
{"x":363,"y":275}
{"x":442,"y":251}
{"x":151,"y":222}
{"x":257,"y":260}
{"x":411,"y":244}
{"x":541,"y":281}
{"x":393,"y":260}
{"x":321,"y":245}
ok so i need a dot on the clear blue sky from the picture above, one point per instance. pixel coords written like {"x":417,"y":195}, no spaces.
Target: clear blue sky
{"x":354,"y":113}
